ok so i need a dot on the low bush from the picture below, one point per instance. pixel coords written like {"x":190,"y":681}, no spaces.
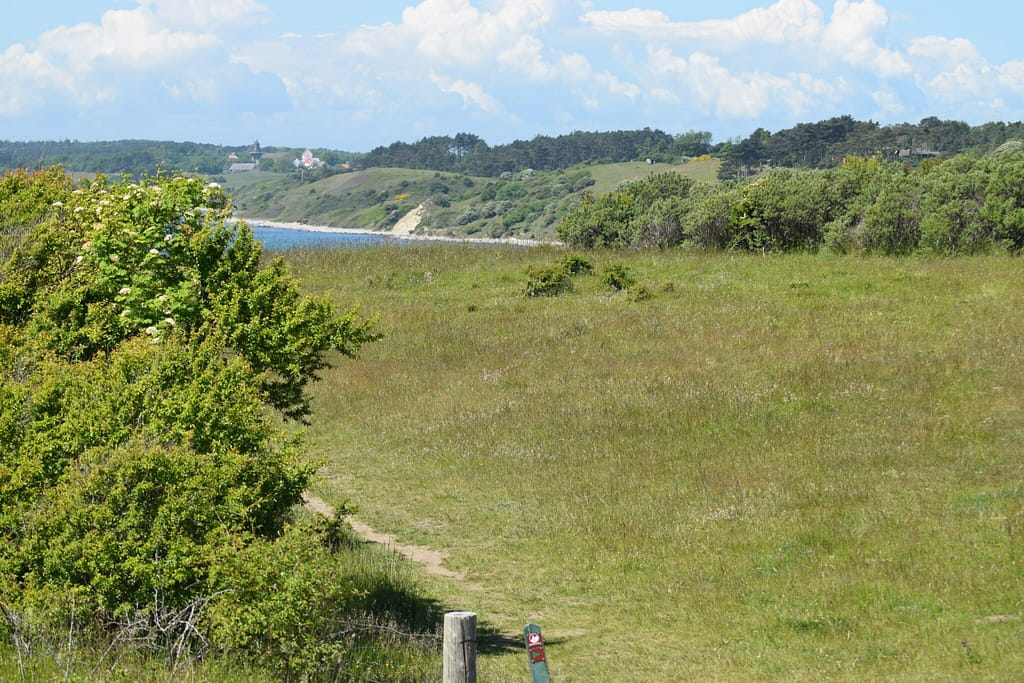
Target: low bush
{"x":547,"y":281}
{"x":618,"y":276}
{"x":575,"y":264}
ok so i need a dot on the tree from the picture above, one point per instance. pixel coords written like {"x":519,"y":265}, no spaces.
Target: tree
{"x":783,"y":210}
{"x":1003,"y":209}
{"x":692,"y":143}
{"x":647,"y":212}
{"x":143,"y":348}
{"x":110,"y":262}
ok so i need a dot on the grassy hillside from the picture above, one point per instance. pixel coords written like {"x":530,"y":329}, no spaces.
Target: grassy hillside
{"x":526,"y":204}
{"x":792,"y":468}
{"x":610,"y":176}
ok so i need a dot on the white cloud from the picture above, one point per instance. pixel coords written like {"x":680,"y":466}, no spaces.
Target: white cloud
{"x":450,"y":44}
{"x":527,"y":57}
{"x":1011,"y":76}
{"x":89,"y":62}
{"x":471,"y":93}
{"x":888,"y":102}
{"x":709,"y":85}
{"x":24,"y":78}
{"x":850,"y":36}
{"x":783,"y":21}
{"x":449,"y":33}
{"x":131,"y":39}
{"x":561,"y":63}
{"x":944,"y":50}
{"x":201,"y":89}
{"x":206,"y":14}
{"x":591,"y":85}
{"x":952,"y":70}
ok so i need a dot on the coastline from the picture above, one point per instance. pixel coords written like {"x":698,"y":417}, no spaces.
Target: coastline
{"x":304,"y":227}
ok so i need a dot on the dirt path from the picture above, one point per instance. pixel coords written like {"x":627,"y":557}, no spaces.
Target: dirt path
{"x":432,"y":560}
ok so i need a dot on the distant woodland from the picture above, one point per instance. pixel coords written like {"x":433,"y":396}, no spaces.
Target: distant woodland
{"x":807,"y":145}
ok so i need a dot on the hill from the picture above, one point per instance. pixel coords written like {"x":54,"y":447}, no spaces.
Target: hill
{"x":525,"y":204}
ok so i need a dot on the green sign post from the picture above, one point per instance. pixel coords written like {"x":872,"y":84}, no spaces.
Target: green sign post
{"x":535,"y":652}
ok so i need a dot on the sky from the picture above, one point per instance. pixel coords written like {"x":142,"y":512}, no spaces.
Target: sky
{"x":349,"y":75}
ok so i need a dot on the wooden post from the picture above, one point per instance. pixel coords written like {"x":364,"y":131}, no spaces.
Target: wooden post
{"x":536,"y":654}
{"x":459,"y":647}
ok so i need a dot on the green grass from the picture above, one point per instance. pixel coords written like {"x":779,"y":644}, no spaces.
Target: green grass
{"x":782,"y":468}
{"x":610,"y":176}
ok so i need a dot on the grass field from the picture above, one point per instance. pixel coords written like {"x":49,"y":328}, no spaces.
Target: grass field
{"x":610,"y":176}
{"x":781,"y":468}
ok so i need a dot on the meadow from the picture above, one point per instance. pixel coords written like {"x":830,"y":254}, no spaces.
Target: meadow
{"x":792,"y":467}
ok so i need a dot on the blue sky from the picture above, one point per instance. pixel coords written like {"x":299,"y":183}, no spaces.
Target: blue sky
{"x":348,"y":75}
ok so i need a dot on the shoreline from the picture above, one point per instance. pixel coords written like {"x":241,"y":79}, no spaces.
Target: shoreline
{"x":304,"y":227}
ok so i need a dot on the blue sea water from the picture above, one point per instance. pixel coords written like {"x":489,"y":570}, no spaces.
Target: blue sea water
{"x":281,"y":239}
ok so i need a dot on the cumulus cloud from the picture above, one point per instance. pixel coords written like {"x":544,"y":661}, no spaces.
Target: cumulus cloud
{"x":24,"y":78}
{"x":453,"y":45}
{"x":785,"y":20}
{"x":888,"y":102}
{"x":943,"y":50}
{"x":527,"y":57}
{"x":953,"y":70}
{"x":206,"y":14}
{"x":471,"y":93}
{"x":548,"y":62}
{"x":131,"y":39}
{"x":1011,"y":76}
{"x":709,"y":85}
{"x":92,"y":63}
{"x":452,"y":32}
{"x":850,"y":36}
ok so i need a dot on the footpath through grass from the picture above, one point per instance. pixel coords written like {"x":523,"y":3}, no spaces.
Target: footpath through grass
{"x":791,"y":467}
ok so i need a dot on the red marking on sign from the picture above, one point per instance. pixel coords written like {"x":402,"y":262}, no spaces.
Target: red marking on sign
{"x":536,"y":655}
{"x":533,"y":639}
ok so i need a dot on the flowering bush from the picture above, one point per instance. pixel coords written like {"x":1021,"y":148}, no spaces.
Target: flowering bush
{"x":141,"y":343}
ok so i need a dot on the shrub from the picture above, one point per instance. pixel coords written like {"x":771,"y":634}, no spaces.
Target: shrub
{"x":618,"y":277}
{"x":143,"y":345}
{"x":547,"y":281}
{"x":639,"y":292}
{"x":577,"y":265}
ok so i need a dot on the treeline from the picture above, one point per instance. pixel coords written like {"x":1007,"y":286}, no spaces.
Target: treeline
{"x":136,"y":158}
{"x":468,"y":153}
{"x":827,"y":143}
{"x":824,"y":144}
{"x":963,"y":205}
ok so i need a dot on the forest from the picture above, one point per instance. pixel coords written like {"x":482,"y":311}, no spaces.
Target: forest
{"x":827,"y":143}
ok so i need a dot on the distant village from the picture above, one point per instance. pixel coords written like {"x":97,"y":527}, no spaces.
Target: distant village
{"x":304,"y":162}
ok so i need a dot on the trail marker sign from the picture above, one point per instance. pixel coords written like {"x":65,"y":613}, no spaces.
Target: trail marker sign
{"x":536,"y":654}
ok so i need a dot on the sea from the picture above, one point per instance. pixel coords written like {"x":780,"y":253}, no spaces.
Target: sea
{"x":282,"y":239}
{"x":276,"y":238}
